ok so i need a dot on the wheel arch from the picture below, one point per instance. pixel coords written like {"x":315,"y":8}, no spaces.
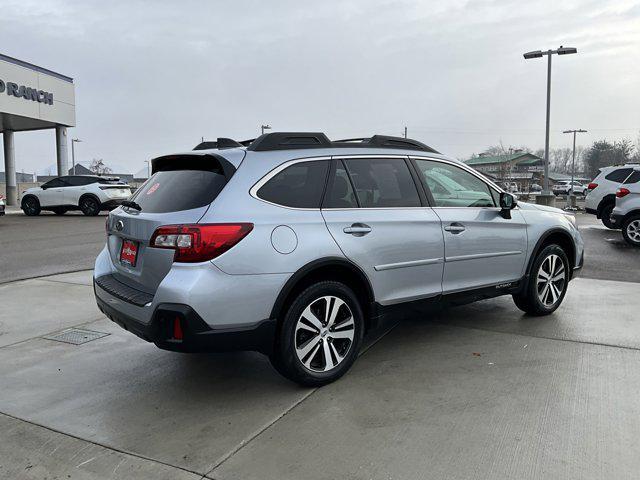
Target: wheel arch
{"x":633,"y":213}
{"x":89,"y":194}
{"x":559,"y":237}
{"x":26,"y":196}
{"x":606,"y":200}
{"x":330,"y":268}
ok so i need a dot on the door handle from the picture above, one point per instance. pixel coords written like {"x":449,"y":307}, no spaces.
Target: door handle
{"x":357,"y":229}
{"x":455,"y":228}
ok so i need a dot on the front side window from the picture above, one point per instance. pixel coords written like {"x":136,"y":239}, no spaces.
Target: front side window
{"x":452,"y":186}
{"x":383,"y":183}
{"x":55,"y":183}
{"x":298,"y":186}
{"x":80,"y":181}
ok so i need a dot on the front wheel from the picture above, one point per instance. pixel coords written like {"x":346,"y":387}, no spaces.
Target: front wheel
{"x":89,"y":206}
{"x":31,"y":206}
{"x":320,"y":335}
{"x":547,"y":284}
{"x":631,"y":230}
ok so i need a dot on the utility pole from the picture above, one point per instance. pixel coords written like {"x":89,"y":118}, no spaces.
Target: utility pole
{"x":539,"y":54}
{"x":73,"y":154}
{"x":405,"y":131}
{"x":573,"y":164}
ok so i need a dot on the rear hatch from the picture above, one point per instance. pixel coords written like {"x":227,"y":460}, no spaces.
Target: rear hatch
{"x":179,"y":191}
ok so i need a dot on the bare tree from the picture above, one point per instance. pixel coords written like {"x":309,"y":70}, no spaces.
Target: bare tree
{"x":99,"y":168}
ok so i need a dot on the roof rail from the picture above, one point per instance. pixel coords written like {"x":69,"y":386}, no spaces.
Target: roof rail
{"x":305,"y":140}
{"x":218,"y":144}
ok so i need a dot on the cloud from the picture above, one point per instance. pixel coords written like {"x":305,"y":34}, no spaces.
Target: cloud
{"x":154,"y":77}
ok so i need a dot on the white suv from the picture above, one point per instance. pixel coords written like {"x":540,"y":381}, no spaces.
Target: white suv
{"x":563,"y":187}
{"x":90,"y":194}
{"x":627,"y":210}
{"x":601,"y":197}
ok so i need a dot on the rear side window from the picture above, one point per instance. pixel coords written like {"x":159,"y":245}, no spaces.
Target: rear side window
{"x":619,"y":175}
{"x":299,"y":185}
{"x":633,"y":178}
{"x":175,"y":190}
{"x":383,"y":183}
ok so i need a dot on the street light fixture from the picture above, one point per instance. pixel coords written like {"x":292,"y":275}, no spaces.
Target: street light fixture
{"x":573,"y":161}
{"x":538,"y":54}
{"x":265,"y":127}
{"x":73,"y":154}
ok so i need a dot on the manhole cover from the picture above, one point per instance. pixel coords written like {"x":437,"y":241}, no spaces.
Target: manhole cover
{"x":76,"y":336}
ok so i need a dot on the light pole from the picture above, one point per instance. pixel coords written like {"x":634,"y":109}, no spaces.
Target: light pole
{"x":265,"y":127}
{"x":73,"y":154}
{"x":539,"y":54}
{"x":573,"y":160}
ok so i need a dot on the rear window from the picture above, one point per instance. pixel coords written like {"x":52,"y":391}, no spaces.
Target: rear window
{"x":298,"y":186}
{"x":172,"y":191}
{"x":619,"y":175}
{"x":633,"y":178}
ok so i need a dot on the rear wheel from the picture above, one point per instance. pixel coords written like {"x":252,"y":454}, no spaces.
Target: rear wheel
{"x":631,"y":230}
{"x":547,"y":284}
{"x":605,"y":216}
{"x":31,"y":206}
{"x":320,"y":335}
{"x":89,"y":206}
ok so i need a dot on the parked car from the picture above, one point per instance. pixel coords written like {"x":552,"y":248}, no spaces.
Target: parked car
{"x":297,"y":246}
{"x":627,"y":210}
{"x":90,"y":194}
{"x":2,"y":205}
{"x":601,"y":198}
{"x":511,"y":187}
{"x":566,"y":187}
{"x":535,"y":187}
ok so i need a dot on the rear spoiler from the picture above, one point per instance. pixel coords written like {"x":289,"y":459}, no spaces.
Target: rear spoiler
{"x":208,"y":162}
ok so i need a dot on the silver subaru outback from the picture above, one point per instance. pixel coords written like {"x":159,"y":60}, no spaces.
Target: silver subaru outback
{"x":296,"y":246}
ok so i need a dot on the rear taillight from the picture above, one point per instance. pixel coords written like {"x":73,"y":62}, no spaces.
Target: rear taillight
{"x":199,"y":243}
{"x":592,"y":185}
{"x":622,"y":192}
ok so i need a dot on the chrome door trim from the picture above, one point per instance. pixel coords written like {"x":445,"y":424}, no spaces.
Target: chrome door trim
{"x":412,"y":263}
{"x":474,"y":256}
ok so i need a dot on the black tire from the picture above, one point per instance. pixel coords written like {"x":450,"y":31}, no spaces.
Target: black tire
{"x":59,"y":210}
{"x":291,"y":339}
{"x":89,"y":206}
{"x":31,"y":206}
{"x":530,"y":301}
{"x":631,"y":230}
{"x":605,"y":216}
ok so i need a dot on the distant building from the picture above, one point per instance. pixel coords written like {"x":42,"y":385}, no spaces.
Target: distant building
{"x":522,"y":168}
{"x":82,"y":170}
{"x":20,"y":177}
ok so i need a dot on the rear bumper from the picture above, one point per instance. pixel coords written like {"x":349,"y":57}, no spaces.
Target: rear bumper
{"x":196,"y":335}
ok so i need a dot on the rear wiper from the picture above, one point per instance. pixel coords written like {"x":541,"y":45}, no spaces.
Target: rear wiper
{"x":131,"y":204}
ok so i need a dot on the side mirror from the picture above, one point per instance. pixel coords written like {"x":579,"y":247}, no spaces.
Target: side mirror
{"x":44,"y":187}
{"x":507,"y":203}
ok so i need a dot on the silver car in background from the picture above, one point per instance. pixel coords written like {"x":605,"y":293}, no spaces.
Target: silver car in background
{"x":296,"y":246}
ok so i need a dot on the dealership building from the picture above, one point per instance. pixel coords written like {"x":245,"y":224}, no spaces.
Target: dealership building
{"x":33,"y":98}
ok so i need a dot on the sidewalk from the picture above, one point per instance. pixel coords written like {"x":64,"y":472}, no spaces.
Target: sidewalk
{"x":478,"y":391}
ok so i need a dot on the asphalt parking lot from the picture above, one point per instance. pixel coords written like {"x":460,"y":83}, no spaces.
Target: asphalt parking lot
{"x":479,"y":391}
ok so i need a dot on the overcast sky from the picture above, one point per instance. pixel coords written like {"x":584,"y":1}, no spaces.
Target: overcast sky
{"x":154,"y":77}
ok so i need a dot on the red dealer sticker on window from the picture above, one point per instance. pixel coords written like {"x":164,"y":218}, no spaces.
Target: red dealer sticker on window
{"x":153,"y":188}
{"x":128,"y":253}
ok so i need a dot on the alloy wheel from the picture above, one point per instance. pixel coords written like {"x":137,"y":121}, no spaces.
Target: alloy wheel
{"x":633,"y":231}
{"x":551,"y":280}
{"x":324,"y":334}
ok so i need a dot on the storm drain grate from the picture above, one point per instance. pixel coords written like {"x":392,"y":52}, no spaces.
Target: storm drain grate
{"x":76,"y":336}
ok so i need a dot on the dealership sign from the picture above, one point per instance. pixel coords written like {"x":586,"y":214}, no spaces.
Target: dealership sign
{"x":27,"y":93}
